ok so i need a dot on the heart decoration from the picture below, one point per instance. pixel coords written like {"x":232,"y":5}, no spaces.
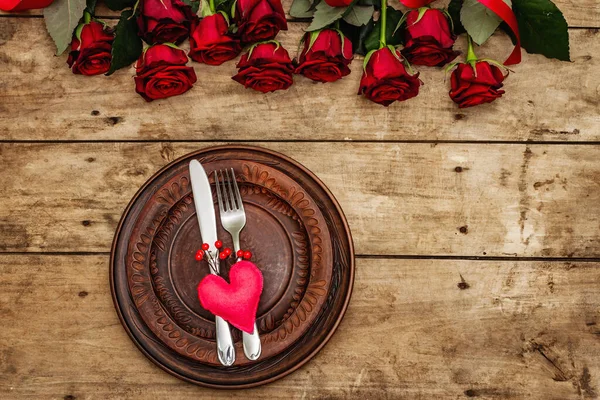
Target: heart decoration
{"x":236,"y":302}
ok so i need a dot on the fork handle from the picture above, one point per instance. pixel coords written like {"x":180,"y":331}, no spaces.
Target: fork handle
{"x":225,"y":347}
{"x":252,"y":346}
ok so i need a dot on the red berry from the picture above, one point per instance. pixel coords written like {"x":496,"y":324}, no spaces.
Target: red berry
{"x":240,"y":253}
{"x":199,"y":255}
{"x":222,"y":255}
{"x":247,"y":255}
{"x":205,"y":246}
{"x":218,"y":244}
{"x":227,"y":251}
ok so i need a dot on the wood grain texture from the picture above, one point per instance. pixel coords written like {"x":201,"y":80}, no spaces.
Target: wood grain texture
{"x":418,"y":329}
{"x":546,"y":100}
{"x":407,"y":199}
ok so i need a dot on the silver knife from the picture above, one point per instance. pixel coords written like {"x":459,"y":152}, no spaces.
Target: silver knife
{"x":205,"y":211}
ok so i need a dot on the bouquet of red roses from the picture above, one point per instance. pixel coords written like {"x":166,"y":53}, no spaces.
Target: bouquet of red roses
{"x":394,"y":40}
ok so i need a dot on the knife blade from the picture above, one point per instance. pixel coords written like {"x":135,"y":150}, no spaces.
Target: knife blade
{"x":205,"y":212}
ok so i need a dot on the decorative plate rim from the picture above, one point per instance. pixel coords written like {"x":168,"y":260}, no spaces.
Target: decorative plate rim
{"x":342,"y":310}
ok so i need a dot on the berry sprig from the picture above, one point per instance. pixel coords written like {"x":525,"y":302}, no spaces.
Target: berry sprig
{"x":223,"y":254}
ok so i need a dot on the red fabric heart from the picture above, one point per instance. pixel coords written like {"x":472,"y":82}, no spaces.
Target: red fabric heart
{"x":236,"y":302}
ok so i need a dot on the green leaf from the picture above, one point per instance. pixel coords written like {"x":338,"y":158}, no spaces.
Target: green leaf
{"x":62,"y":17}
{"x":127,"y":46}
{"x":479,"y":21}
{"x":392,"y":36}
{"x":454,"y":12}
{"x":358,"y":15}
{"x":226,"y":6}
{"x":205,"y":9}
{"x":357,"y":35}
{"x":194,"y":5}
{"x":91,"y":6}
{"x":117,"y":5}
{"x":302,"y":9}
{"x":543,"y":28}
{"x":325,"y":15}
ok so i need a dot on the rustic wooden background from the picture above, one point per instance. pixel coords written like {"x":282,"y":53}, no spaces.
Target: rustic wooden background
{"x":477,"y":231}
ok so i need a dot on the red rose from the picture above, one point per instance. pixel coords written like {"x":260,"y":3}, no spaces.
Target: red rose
{"x":385,"y":79}
{"x":21,"y":5}
{"x":161,"y":72}
{"x":164,"y":21}
{"x":259,"y":20}
{"x":415,"y":3}
{"x":91,"y":51}
{"x":338,"y":3}
{"x":470,"y":89}
{"x":327,"y":59}
{"x":210,"y":43}
{"x":266,"y":69}
{"x":428,"y":41}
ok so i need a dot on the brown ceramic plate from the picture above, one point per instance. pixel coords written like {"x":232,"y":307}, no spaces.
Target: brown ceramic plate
{"x":300,"y":240}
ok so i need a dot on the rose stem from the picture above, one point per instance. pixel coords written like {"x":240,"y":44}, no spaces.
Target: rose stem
{"x":383,"y":18}
{"x":471,"y":57}
{"x":87,"y":17}
{"x":212,"y":5}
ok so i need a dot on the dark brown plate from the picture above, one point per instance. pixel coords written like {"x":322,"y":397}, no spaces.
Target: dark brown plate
{"x":301,"y":243}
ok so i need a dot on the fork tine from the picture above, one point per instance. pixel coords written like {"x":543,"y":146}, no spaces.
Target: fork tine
{"x":218,"y":186}
{"x":226,"y":191}
{"x":237,"y":191}
{"x":223,"y":185}
{"x":234,"y":206}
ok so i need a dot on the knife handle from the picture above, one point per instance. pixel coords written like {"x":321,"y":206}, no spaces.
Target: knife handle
{"x":225,"y":348}
{"x":252,"y":347}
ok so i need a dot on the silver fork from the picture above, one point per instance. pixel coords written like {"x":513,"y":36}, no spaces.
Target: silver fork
{"x":233,"y":219}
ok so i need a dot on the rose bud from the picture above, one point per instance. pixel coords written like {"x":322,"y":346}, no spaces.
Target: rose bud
{"x":266,"y":67}
{"x":327,"y":59}
{"x":91,"y":49}
{"x":469,"y":89}
{"x":259,"y":20}
{"x":22,"y":5}
{"x":210,"y":43}
{"x":386,"y":80}
{"x":428,"y":40}
{"x":161,"y":72}
{"x":415,"y":3}
{"x":164,"y":21}
{"x":338,"y":3}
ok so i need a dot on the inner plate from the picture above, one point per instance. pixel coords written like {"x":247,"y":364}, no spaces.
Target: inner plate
{"x":288,"y":247}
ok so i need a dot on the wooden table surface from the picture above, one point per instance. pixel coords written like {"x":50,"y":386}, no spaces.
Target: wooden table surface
{"x":477,"y":231}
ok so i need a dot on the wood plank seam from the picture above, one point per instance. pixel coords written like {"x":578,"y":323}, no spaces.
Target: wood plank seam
{"x":241,"y":141}
{"x":357,"y":256}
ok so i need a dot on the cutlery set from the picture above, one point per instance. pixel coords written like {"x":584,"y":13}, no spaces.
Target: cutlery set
{"x":233,"y":220}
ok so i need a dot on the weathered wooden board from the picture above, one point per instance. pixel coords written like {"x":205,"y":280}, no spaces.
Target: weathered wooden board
{"x":584,"y":13}
{"x":415,"y":328}
{"x":42,"y":100}
{"x":407,"y":199}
